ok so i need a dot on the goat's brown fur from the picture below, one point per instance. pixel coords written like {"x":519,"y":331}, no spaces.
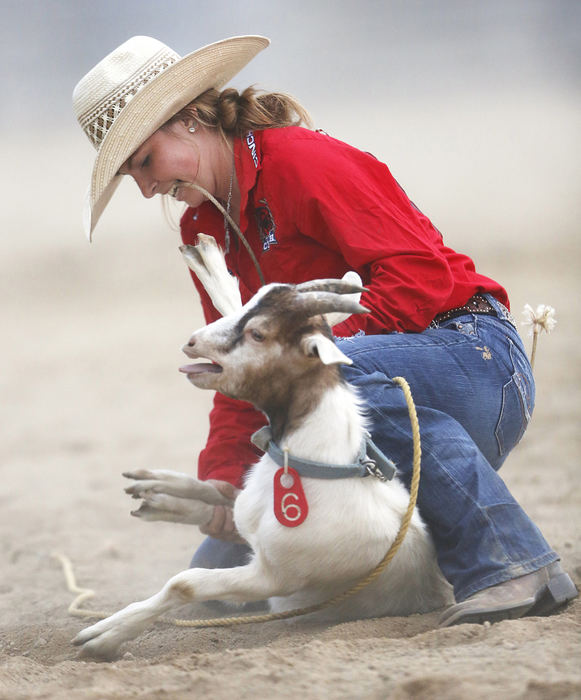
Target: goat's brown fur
{"x":286,"y":387}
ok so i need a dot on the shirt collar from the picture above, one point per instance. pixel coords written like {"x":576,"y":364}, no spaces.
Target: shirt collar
{"x":248,"y":161}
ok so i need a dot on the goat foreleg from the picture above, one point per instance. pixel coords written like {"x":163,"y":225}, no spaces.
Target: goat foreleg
{"x":207,"y":261}
{"x":174,"y":497}
{"x":245,"y":583}
{"x":158,"y":506}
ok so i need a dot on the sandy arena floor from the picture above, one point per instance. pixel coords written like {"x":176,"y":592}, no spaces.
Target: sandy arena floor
{"x":90,"y":389}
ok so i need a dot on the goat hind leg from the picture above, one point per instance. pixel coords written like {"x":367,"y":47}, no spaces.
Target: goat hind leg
{"x":246,"y":583}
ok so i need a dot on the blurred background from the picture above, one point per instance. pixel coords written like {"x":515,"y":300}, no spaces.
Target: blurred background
{"x":474,"y":105}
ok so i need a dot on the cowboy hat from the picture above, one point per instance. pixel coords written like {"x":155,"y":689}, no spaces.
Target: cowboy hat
{"x":134,"y":90}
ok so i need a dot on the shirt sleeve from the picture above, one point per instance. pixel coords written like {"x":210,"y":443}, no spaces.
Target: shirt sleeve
{"x":349,"y":201}
{"x":229,"y":453}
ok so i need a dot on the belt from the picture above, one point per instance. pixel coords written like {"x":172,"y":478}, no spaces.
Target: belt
{"x":478,"y":304}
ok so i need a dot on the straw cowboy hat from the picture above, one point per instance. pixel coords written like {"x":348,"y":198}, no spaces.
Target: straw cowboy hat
{"x":126,"y":97}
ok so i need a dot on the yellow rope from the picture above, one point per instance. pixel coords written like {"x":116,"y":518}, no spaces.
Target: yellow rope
{"x":247,"y":619}
{"x":84,"y":593}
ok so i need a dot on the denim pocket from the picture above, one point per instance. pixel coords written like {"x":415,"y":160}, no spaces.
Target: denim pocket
{"x":518,"y":398}
{"x":465,"y":324}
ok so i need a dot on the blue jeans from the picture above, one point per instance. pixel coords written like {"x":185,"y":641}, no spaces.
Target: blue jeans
{"x":474,"y":393}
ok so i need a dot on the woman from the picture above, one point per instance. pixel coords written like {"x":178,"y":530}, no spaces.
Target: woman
{"x":311,"y":207}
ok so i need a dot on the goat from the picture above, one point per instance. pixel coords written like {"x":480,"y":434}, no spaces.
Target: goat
{"x":277,"y":352}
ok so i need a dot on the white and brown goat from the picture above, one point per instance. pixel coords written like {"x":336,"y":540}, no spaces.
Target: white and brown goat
{"x":278,"y":353}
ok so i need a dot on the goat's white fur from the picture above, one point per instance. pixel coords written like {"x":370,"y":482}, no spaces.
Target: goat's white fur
{"x":350,"y":526}
{"x":210,"y":268}
{"x":175,"y":497}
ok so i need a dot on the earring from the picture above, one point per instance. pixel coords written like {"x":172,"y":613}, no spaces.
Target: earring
{"x":192,"y":129}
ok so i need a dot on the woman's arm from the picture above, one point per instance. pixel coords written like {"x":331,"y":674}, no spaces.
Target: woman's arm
{"x":350,"y":203}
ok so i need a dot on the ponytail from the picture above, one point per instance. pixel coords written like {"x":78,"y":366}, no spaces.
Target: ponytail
{"x":236,"y":113}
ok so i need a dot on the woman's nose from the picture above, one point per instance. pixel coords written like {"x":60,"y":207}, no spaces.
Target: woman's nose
{"x":147,"y":186}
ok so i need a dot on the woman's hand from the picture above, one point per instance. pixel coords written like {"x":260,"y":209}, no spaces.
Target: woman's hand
{"x":222,"y":524}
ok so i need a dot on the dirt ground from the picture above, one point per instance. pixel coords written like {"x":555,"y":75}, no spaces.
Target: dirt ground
{"x":90,"y":389}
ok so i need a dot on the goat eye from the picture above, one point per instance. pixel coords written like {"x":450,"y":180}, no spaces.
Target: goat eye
{"x":256,"y":335}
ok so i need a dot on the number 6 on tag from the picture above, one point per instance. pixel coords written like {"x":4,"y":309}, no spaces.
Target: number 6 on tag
{"x":290,"y":504}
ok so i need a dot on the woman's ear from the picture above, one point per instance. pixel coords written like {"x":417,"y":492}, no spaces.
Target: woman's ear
{"x":191,"y":123}
{"x":189,"y":118}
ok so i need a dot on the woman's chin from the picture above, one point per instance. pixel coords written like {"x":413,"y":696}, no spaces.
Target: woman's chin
{"x":189,"y":196}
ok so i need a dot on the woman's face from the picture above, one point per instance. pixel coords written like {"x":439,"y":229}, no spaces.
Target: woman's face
{"x":172,"y":156}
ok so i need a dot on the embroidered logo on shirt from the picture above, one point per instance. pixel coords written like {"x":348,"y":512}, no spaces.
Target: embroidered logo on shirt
{"x":265,"y":224}
{"x":251,"y":143}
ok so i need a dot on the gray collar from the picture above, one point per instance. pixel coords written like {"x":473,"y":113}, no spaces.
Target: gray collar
{"x":370,"y":460}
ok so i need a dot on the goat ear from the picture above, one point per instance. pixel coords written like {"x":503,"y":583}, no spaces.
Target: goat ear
{"x":348,"y":284}
{"x":325,"y":349}
{"x":333,"y":318}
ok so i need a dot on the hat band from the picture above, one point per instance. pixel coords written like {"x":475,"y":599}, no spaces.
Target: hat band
{"x":99,"y":120}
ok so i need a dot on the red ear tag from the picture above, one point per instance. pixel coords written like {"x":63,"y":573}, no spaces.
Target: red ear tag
{"x":290,"y":504}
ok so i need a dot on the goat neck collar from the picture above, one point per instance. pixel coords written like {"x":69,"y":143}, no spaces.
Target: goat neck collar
{"x":370,"y":461}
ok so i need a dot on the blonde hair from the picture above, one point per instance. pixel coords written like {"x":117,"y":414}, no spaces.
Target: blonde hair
{"x":236,"y":113}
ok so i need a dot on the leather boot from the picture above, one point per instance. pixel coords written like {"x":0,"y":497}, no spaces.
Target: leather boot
{"x":538,"y":593}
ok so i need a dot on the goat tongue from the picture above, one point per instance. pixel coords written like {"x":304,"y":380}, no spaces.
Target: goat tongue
{"x":200,"y":367}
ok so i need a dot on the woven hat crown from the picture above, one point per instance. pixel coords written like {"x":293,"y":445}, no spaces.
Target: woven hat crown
{"x":104,"y":92}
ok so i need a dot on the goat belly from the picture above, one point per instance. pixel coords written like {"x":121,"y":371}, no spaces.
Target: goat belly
{"x":200,"y":367}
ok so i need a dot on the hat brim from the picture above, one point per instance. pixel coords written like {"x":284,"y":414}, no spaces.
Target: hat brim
{"x":209,"y":67}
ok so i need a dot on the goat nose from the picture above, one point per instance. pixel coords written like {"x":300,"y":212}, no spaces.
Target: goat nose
{"x":188,"y":348}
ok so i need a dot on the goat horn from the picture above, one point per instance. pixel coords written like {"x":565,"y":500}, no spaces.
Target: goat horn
{"x":330,"y":285}
{"x":316,"y":303}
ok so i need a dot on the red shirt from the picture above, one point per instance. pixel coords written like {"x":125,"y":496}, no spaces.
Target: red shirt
{"x":314,"y":207}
